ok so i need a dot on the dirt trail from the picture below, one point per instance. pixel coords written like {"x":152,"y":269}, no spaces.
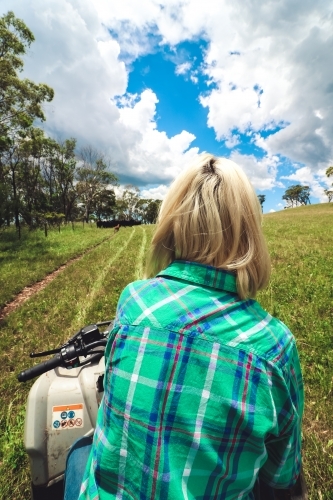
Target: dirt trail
{"x":30,"y":290}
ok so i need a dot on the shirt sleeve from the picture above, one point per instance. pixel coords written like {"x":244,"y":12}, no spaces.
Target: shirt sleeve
{"x":283,"y":446}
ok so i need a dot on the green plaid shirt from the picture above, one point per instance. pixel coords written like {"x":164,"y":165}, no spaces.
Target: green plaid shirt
{"x":203,"y":394}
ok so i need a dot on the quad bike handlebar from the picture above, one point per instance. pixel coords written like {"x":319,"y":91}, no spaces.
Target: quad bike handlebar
{"x":83,"y":343}
{"x":39,"y":369}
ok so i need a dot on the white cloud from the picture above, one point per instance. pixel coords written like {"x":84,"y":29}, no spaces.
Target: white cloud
{"x":271,"y":210}
{"x":267,"y":64}
{"x":138,"y":114}
{"x":183,"y":68}
{"x":232,"y":140}
{"x":154,"y":156}
{"x":289,"y":65}
{"x":306,"y":177}
{"x":261,"y":172}
{"x":76,"y":55}
{"x":156,"y":193}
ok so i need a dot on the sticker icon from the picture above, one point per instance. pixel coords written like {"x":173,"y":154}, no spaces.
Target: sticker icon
{"x":67,"y":416}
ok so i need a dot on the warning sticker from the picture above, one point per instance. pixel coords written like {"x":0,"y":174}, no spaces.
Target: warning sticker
{"x":67,"y":416}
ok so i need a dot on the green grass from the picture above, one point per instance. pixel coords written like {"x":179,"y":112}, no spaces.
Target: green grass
{"x":300,"y":294}
{"x":87,"y":291}
{"x":25,"y":261}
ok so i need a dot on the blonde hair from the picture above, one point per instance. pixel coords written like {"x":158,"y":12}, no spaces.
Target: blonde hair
{"x":212,"y":215}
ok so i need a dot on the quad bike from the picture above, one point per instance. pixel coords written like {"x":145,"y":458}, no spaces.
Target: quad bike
{"x":62,"y":407}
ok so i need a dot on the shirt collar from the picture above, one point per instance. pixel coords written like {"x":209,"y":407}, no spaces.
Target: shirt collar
{"x":201,"y":274}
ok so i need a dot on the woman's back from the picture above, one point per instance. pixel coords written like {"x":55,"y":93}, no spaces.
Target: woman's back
{"x":203,"y":391}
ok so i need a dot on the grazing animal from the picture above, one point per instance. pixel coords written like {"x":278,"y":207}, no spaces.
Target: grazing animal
{"x":116,"y":228}
{"x":114,"y":223}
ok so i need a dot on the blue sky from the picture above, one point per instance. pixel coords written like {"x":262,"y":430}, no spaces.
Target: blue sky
{"x":152,"y":84}
{"x":179,"y":108}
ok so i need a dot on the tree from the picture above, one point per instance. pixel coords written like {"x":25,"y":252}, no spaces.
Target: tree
{"x":20,"y":99}
{"x":6,"y":212}
{"x":105,"y":203}
{"x":329,"y":194}
{"x":93,"y":178}
{"x":20,"y":104}
{"x":297,"y":195}
{"x":261,"y":198}
{"x":153,"y":211}
{"x":120,"y":209}
{"x":33,"y":199}
{"x":329,"y":171}
{"x":59,"y":172}
{"x":131,"y":202}
{"x":9,"y":165}
{"x":146,"y":210}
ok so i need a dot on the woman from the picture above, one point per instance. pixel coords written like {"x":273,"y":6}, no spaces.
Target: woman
{"x":203,"y":388}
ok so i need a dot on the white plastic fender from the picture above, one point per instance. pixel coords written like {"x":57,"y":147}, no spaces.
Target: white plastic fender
{"x":62,"y":407}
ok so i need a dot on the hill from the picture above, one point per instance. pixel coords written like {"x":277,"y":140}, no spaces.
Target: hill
{"x":300,"y":293}
{"x":306,"y":210}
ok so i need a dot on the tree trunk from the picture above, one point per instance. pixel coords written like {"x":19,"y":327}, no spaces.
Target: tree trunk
{"x":16,"y":211}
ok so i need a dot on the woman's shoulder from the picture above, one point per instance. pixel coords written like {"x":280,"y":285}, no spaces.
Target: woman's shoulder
{"x":271,"y":338}
{"x":139,"y":287}
{"x":137,"y":296}
{"x":244,"y":325}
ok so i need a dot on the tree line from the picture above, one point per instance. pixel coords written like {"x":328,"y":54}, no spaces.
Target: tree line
{"x":299,"y":195}
{"x":329,"y":192}
{"x":43,"y":180}
{"x":293,"y":196}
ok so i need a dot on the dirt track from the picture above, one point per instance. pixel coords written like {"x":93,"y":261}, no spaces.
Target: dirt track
{"x":30,"y":290}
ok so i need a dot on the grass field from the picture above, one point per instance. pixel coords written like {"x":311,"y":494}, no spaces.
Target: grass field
{"x":300,"y":294}
{"x":25,"y":261}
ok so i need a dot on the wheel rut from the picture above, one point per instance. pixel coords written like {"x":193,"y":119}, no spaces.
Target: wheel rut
{"x":31,"y":290}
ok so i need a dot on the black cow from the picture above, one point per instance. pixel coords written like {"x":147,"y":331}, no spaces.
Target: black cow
{"x":116,"y":222}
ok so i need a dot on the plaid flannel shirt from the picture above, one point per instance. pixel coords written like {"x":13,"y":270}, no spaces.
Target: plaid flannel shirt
{"x":203,"y":394}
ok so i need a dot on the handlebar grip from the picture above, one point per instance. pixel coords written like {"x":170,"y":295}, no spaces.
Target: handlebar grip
{"x":41,"y":368}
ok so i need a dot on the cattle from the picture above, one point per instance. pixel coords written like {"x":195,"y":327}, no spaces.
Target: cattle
{"x":116,"y":228}
{"x":115,"y":222}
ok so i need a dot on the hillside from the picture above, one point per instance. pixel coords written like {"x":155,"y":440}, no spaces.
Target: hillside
{"x":300,"y":293}
{"x":304,"y":210}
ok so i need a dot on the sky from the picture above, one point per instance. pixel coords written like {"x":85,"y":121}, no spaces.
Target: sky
{"x":154,"y":83}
